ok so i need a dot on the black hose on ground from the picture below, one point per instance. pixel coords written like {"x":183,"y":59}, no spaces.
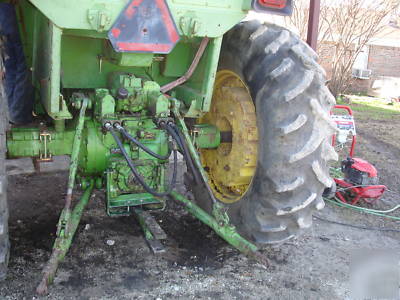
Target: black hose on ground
{"x":357,"y":226}
{"x":135,"y":172}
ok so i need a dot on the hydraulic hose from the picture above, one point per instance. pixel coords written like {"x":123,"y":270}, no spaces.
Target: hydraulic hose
{"x":140,"y":145}
{"x":174,"y":132}
{"x":135,"y":172}
{"x":186,"y":150}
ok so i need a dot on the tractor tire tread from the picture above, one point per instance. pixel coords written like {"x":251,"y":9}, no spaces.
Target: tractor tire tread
{"x":283,"y":77}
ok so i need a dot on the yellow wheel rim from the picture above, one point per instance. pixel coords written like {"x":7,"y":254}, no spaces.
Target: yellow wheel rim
{"x":232,"y":165}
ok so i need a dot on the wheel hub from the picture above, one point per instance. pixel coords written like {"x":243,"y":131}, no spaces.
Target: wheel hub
{"x":232,"y":165}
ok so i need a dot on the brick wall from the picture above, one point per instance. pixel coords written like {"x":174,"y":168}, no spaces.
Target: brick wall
{"x":326,"y":52}
{"x":383,"y":61}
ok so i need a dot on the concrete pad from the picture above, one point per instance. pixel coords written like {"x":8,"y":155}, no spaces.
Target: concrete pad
{"x":26,"y":165}
{"x":58,"y":163}
{"x":19,"y":166}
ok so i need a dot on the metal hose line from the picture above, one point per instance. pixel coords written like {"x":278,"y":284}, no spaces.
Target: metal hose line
{"x":173,"y":131}
{"x":136,"y":173}
{"x":140,"y":145}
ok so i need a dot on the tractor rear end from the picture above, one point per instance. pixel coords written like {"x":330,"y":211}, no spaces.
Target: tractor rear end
{"x":128,"y":85}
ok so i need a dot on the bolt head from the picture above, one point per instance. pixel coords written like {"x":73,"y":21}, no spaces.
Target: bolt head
{"x":122,"y":93}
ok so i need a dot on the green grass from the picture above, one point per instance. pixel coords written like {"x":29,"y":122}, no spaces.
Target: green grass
{"x":372,"y":108}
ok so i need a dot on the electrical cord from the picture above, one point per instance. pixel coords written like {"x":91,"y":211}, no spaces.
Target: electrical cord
{"x":140,"y":145}
{"x":356,"y":226}
{"x":135,"y":172}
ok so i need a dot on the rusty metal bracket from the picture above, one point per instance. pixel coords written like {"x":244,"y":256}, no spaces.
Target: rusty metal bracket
{"x":202,"y":48}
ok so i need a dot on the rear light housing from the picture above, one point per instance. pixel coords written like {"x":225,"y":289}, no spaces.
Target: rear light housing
{"x":279,"y":7}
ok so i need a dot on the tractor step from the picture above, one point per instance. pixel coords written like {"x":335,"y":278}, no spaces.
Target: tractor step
{"x":152,"y":231}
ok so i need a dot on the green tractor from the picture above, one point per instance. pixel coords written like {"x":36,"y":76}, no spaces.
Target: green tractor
{"x":127,"y":85}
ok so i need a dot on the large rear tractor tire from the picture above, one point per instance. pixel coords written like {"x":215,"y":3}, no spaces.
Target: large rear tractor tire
{"x":270,"y":94}
{"x":4,"y":242}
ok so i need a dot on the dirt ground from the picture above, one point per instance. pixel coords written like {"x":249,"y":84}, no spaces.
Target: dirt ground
{"x":197,"y":264}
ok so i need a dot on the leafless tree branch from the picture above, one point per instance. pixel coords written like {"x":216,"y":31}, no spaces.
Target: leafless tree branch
{"x":348,"y":26}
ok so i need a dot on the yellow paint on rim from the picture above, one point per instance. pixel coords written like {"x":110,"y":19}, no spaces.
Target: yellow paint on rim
{"x":232,"y":165}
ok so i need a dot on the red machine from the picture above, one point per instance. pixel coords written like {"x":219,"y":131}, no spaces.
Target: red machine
{"x":360,"y":177}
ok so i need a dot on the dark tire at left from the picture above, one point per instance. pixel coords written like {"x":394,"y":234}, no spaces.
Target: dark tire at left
{"x":4,"y":241}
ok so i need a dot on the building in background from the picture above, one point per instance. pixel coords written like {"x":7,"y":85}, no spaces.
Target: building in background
{"x":376,"y":70}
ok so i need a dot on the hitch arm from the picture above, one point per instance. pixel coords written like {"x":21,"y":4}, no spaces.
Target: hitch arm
{"x":63,"y":242}
{"x":225,"y":231}
{"x":74,"y":164}
{"x":69,"y":221}
{"x":219,"y":220}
